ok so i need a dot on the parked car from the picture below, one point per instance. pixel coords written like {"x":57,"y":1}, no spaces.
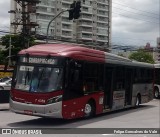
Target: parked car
{"x":5,"y":79}
{"x":6,"y":85}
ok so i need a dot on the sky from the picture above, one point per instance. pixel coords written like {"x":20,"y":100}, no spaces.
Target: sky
{"x":4,"y":15}
{"x":134,"y":22}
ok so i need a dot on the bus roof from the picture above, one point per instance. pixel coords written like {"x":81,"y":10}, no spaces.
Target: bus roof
{"x":65,"y":50}
{"x":81,"y":53}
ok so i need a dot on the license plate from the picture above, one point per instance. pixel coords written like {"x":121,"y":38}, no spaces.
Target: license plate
{"x":28,"y":112}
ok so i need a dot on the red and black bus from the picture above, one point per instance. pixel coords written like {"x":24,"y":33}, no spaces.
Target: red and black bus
{"x":68,"y":81}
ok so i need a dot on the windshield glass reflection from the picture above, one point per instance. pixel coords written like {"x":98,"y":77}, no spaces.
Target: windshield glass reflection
{"x":39,"y":79}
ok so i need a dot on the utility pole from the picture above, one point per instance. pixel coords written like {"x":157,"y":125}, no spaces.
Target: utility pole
{"x":9,"y":58}
{"x":51,"y":22}
{"x":27,"y":7}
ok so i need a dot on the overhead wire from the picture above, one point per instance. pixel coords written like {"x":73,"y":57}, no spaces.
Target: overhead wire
{"x":147,"y":21}
{"x":136,"y":13}
{"x":125,"y":5}
{"x":133,"y":12}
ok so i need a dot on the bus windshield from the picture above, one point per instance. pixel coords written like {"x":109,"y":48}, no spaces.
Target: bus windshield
{"x":39,"y":79}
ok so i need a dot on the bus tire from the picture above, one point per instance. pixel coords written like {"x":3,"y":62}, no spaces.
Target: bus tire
{"x":90,"y":109}
{"x":156,"y":93}
{"x":137,"y":102}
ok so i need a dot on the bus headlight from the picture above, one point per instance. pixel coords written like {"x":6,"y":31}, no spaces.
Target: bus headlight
{"x":54,"y":99}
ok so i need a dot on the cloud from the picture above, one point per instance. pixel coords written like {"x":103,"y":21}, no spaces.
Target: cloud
{"x":5,"y":7}
{"x":135,"y":21}
{"x":4,"y":15}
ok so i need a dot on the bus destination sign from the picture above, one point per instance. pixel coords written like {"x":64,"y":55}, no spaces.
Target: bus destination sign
{"x":39,"y":60}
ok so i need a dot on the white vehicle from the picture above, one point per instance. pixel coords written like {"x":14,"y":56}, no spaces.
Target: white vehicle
{"x":6,"y":85}
{"x":4,"y":79}
{"x":157,"y":81}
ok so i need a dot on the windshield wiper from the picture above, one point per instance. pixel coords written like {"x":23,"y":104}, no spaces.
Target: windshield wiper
{"x":43,"y":70}
{"x":27,"y":76}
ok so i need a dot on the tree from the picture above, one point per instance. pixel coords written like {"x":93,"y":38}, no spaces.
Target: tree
{"x":2,"y":57}
{"x":17,"y":43}
{"x":142,"y":56}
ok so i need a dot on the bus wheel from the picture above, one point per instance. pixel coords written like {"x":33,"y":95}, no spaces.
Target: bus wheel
{"x":156,"y":93}
{"x":137,"y":101}
{"x":89,"y":109}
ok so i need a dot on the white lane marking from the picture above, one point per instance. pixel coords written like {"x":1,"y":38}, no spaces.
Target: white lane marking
{"x":107,"y":134}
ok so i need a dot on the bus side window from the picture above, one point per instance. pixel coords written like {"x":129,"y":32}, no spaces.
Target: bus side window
{"x":119,"y":78}
{"x":74,"y":76}
{"x":75,"y":79}
{"x":91,"y":77}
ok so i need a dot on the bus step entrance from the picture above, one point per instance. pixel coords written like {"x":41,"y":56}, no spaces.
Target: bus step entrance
{"x":106,"y":107}
{"x":106,"y":110}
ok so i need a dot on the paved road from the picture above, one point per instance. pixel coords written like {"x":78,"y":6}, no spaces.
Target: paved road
{"x":147,"y":116}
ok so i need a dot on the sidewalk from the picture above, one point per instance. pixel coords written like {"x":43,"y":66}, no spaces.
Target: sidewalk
{"x":4,"y":106}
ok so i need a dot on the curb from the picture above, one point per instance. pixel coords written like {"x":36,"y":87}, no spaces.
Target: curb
{"x":4,"y":106}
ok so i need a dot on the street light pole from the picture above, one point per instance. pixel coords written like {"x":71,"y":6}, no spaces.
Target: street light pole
{"x":9,"y":59}
{"x":51,"y":22}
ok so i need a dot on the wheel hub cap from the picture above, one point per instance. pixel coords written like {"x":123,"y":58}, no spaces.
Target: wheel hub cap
{"x":87,"y":109}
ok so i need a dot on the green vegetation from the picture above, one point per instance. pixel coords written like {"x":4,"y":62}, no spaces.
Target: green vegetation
{"x":142,"y":56}
{"x":17,"y":44}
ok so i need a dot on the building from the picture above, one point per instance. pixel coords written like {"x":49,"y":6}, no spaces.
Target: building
{"x":93,"y":27}
{"x":156,"y":54}
{"x":126,"y":51}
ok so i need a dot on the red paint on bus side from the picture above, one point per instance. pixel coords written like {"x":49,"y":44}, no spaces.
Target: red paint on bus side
{"x":33,"y":98}
{"x":74,"y":108}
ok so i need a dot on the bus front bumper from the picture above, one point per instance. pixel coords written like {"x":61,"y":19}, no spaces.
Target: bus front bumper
{"x":50,"y":110}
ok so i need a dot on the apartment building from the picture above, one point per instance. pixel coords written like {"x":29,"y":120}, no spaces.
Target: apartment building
{"x":93,"y":27}
{"x":156,"y":53}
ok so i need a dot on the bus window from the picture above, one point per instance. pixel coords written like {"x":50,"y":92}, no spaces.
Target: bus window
{"x":119,"y":78}
{"x":39,"y":79}
{"x":137,"y":75}
{"x":51,"y":79}
{"x":101,"y":77}
{"x":75,"y":78}
{"x":157,"y":76}
{"x":149,"y":75}
{"x":90,"y":77}
{"x":143,"y":75}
